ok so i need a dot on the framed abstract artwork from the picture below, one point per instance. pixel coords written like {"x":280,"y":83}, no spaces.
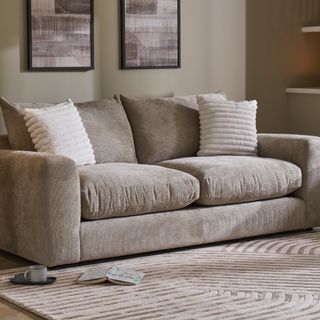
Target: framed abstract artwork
{"x":60,"y":35}
{"x":150,"y":34}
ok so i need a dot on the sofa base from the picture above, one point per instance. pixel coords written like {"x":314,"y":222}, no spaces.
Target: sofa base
{"x":189,"y":227}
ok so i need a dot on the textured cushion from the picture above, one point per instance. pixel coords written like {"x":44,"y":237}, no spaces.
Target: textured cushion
{"x":4,"y":142}
{"x":109,"y":130}
{"x":235,"y":179}
{"x":104,"y":120}
{"x":118,"y":189}
{"x":18,"y":134}
{"x":164,"y":128}
{"x":227,"y":127}
{"x":59,"y":130}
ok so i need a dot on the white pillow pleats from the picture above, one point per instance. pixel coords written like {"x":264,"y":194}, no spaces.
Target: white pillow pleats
{"x":227,"y":127}
{"x":59,"y":130}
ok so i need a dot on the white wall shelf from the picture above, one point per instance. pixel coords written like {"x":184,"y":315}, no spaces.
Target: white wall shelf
{"x":303,"y":102}
{"x":310,"y":29}
{"x":304,"y":90}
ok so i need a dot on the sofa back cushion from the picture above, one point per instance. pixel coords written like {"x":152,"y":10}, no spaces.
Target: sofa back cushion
{"x":13,"y":115}
{"x":164,"y":128}
{"x":4,"y":143}
{"x":227,"y":127}
{"x":104,"y":120}
{"x":109,"y":130}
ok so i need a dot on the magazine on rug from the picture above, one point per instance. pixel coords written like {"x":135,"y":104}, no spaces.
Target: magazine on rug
{"x":114,"y":274}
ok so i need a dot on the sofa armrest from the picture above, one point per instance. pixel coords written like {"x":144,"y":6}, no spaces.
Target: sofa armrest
{"x":304,"y":151}
{"x":40,"y":208}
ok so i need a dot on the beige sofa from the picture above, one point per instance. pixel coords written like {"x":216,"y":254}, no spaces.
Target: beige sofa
{"x":55,"y":213}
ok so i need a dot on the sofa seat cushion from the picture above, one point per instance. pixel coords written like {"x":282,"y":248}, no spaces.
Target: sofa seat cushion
{"x":119,"y":189}
{"x":236,"y":179}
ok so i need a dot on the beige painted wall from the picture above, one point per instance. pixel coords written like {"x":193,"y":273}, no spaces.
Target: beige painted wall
{"x":213,"y":56}
{"x":280,"y":56}
{"x":213,"y":52}
{"x":17,"y":84}
{"x":304,"y":113}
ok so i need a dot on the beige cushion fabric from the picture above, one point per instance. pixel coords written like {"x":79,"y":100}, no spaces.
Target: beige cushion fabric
{"x":39,"y":207}
{"x":232,"y":179}
{"x":109,"y":130}
{"x":118,"y":189}
{"x":189,"y":226}
{"x":164,"y":128}
{"x":303,"y":151}
{"x":4,"y":143}
{"x":104,"y":120}
{"x":18,"y":134}
{"x":227,"y":127}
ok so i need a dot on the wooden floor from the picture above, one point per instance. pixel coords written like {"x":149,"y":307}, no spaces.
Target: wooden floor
{"x":7,"y":310}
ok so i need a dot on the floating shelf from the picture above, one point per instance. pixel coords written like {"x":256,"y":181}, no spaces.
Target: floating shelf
{"x":314,"y":90}
{"x":304,"y":90}
{"x":310,"y":29}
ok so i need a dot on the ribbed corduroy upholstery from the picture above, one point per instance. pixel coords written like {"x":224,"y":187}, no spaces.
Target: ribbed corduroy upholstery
{"x":236,"y":179}
{"x":16,"y":126}
{"x":39,"y":207}
{"x":190,"y":226}
{"x":227,"y":127}
{"x":40,"y":210}
{"x":165,"y":128}
{"x":109,"y":130}
{"x":4,"y":143}
{"x":105,"y":121}
{"x":304,"y":151}
{"x":125,"y":189}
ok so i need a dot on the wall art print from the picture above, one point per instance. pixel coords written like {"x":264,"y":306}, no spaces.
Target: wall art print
{"x":60,"y":35}
{"x":150,"y":34}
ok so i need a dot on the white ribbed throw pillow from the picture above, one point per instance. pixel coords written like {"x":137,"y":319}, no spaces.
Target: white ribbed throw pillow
{"x":59,"y":130}
{"x":227,"y":127}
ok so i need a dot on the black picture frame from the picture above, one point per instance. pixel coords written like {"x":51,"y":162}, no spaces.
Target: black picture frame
{"x":123,"y":48}
{"x":32,"y":67}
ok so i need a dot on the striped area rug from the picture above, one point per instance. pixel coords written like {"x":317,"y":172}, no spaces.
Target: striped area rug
{"x":275,"y":277}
